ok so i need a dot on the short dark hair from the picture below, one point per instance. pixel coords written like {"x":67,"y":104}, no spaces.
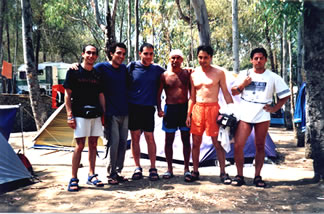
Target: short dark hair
{"x":112,"y":49}
{"x":259,"y":50}
{"x":85,"y":46}
{"x":206,"y":48}
{"x":145,"y":44}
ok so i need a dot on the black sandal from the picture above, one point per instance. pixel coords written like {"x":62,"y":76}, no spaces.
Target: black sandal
{"x":153,"y":176}
{"x":238,"y":181}
{"x":188,"y":177}
{"x":137,"y":174}
{"x":259,"y":182}
{"x":225,"y":178}
{"x":194,"y":176}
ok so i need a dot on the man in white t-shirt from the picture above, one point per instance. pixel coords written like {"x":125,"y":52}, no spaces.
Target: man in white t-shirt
{"x":257,"y":87}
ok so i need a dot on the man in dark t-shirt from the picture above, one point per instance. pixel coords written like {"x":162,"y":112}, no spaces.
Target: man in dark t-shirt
{"x":116,"y":118}
{"x":85,"y":103}
{"x":143,"y":87}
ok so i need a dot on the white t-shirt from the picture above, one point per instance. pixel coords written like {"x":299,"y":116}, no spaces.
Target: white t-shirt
{"x":259,"y":93}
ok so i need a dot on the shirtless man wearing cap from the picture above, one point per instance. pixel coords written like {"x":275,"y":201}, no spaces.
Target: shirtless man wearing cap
{"x":175,"y":82}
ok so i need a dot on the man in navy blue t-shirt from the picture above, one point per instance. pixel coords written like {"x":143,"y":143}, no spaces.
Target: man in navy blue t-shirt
{"x":116,"y":118}
{"x":143,"y":87}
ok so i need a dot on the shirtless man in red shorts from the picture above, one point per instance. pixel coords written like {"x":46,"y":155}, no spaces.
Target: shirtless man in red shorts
{"x":203,"y":108}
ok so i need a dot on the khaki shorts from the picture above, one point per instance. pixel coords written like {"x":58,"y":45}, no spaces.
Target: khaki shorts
{"x":203,"y":118}
{"x":88,"y":127}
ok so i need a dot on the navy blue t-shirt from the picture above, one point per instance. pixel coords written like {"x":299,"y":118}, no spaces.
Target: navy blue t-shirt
{"x":115,"y":89}
{"x":86,"y":87}
{"x":144,"y":82}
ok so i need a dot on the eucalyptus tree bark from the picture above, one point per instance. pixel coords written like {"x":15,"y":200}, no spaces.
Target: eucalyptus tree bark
{"x":109,"y":26}
{"x":314,"y":64}
{"x":235,"y":35}
{"x":202,"y":21}
{"x":291,"y":86}
{"x":129,"y":29}
{"x":300,"y":73}
{"x":122,"y":22}
{"x":38,"y":107}
{"x":182,"y":15}
{"x":300,"y":53}
{"x":9,"y":81}
{"x":136,"y":56}
{"x":271,"y":55}
{"x":285,"y":73}
{"x":15,"y":70}
{"x":2,"y":17}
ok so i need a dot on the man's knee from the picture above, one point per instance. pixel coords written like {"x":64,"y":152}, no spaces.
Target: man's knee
{"x":218,"y":146}
{"x":259,"y":148}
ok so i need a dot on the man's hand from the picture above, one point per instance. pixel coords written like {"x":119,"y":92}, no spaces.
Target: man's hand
{"x":161,"y":113}
{"x":103,"y":119}
{"x":270,"y":108}
{"x":247,"y":81}
{"x":189,"y":69}
{"x":74,"y":66}
{"x":188,"y":121}
{"x":71,"y":122}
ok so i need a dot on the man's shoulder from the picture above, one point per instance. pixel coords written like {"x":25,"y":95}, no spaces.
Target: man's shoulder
{"x":102,"y":65}
{"x":157,"y":66}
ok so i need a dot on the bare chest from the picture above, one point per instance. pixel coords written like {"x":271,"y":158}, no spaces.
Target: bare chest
{"x":205,"y":81}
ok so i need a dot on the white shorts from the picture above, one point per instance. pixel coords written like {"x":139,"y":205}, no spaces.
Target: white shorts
{"x":88,"y":127}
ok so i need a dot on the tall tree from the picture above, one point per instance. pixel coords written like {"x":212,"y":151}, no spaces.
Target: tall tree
{"x":136,"y":30}
{"x":38,"y":107}
{"x":129,"y":30}
{"x":235,"y":36}
{"x":314,"y":63}
{"x":107,"y":27}
{"x":2,"y":17}
{"x":202,"y":21}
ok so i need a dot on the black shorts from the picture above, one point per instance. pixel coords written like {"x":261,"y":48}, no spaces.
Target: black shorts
{"x":175,"y":116}
{"x":141,"y":117}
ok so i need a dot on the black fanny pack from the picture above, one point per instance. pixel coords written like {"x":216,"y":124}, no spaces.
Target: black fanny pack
{"x":227,"y":120}
{"x":91,"y":111}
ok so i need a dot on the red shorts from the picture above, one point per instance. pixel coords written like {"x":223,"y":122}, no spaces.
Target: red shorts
{"x":203,"y":118}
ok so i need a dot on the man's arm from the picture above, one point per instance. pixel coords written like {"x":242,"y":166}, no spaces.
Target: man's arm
{"x":68,"y":106}
{"x":102,"y":102}
{"x":74,"y":66}
{"x":275,"y":108}
{"x":238,"y":89}
{"x":223,"y":86}
{"x":158,"y":98}
{"x":191,"y":102}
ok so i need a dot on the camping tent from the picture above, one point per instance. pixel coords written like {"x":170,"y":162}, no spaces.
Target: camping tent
{"x":55,"y":133}
{"x":7,"y":115}
{"x":207,"y":150}
{"x":12,"y":171}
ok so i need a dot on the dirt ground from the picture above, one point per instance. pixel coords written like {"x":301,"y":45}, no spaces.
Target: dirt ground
{"x":289,"y":188}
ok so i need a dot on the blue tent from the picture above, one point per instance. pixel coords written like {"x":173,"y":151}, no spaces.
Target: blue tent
{"x":13,"y":173}
{"x":207,"y":151}
{"x":7,"y":119}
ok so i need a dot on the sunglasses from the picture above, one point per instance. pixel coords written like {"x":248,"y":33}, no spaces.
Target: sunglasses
{"x":91,"y":52}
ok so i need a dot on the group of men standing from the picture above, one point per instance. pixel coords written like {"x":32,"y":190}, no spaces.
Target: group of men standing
{"x":127,"y":96}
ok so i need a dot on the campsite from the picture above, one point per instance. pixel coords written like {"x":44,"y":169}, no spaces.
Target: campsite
{"x":290,"y":189}
{"x":39,"y":40}
{"x":289,"y":177}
